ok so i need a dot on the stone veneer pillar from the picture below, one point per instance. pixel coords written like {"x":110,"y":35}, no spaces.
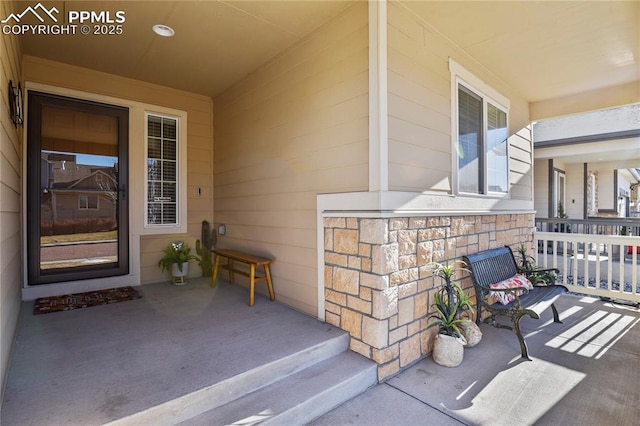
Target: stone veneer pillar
{"x":377,"y":283}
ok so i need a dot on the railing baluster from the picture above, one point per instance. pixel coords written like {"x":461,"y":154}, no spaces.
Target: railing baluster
{"x":634,"y":270}
{"x":574,"y":273}
{"x":597,"y":275}
{"x":585,"y":256}
{"x":609,"y":267}
{"x":569,"y":249}
{"x":564,"y":262}
{"x":621,"y":268}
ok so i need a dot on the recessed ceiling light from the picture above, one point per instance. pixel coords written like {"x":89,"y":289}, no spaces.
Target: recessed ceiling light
{"x":163,"y":30}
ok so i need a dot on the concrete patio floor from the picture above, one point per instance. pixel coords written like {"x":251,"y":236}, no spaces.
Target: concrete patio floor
{"x":91,"y":366}
{"x":584,"y":372}
{"x":112,"y":362}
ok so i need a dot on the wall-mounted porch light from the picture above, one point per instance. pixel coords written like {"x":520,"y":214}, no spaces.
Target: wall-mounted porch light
{"x":15,"y":104}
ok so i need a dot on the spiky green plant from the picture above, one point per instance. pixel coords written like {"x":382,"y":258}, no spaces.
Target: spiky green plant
{"x":527,"y":265}
{"x":450,"y":302}
{"x":447,"y":272}
{"x":448,"y":310}
{"x":176,"y":252}
{"x":525,"y":261}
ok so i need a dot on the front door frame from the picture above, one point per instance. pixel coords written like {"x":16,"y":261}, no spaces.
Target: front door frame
{"x":134,"y":195}
{"x":33,"y":182}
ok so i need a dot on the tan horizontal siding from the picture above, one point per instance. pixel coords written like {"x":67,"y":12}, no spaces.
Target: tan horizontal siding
{"x":413,"y":177}
{"x":418,"y":114}
{"x":518,"y":154}
{"x":519,"y":167}
{"x":426,"y":72}
{"x":266,"y":81}
{"x":296,"y":127}
{"x":10,"y":199}
{"x":419,"y":108}
{"x":419,"y":85}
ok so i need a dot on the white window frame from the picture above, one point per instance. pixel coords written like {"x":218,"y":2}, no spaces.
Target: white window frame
{"x":181,"y":165}
{"x":461,"y":76}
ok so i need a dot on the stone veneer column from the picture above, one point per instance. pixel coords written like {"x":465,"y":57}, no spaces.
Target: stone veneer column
{"x":377,"y":283}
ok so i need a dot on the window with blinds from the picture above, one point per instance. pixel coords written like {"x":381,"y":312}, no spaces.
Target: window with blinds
{"x":162,"y":170}
{"x":470,"y":137}
{"x":483,"y":162}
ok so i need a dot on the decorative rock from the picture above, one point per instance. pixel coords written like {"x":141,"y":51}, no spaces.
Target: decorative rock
{"x":471,"y":333}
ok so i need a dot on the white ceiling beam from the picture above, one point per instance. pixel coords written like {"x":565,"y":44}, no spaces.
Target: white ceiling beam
{"x":609,"y":97}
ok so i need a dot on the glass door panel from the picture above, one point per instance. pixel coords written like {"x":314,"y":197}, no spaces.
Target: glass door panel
{"x":76,"y":187}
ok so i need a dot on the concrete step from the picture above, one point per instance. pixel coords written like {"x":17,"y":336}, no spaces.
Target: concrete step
{"x":299,"y":398}
{"x":216,"y":395}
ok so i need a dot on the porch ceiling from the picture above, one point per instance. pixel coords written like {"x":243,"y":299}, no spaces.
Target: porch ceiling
{"x":545,"y":50}
{"x":216,"y":42}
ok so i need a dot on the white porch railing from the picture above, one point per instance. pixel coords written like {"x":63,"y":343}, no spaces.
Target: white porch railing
{"x":599,"y":265}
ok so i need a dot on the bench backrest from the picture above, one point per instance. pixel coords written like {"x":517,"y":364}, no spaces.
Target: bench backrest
{"x":491,"y":266}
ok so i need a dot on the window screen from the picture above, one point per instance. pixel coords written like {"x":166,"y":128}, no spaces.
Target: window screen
{"x":497,"y":160}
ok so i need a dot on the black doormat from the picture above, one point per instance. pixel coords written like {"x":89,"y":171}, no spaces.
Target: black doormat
{"x":45,"y":305}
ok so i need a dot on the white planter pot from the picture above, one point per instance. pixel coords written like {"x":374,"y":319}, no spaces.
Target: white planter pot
{"x":448,"y":351}
{"x":180,"y":277}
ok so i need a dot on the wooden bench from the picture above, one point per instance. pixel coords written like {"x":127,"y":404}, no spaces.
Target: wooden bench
{"x":249,"y":259}
{"x":496,"y":265}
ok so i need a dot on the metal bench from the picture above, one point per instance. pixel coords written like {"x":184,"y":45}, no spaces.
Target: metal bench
{"x":249,"y":259}
{"x":496,"y":265}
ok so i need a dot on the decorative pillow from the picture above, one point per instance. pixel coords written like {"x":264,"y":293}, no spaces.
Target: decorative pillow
{"x":517,"y":281}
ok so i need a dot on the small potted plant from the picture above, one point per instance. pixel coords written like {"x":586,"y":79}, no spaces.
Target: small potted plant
{"x":450,"y":306}
{"x":535,"y":274}
{"x":176,"y":259}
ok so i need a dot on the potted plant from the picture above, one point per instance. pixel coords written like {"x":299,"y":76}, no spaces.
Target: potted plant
{"x":451,"y":305}
{"x":176,"y":259}
{"x":564,"y":227}
{"x":535,"y":274}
